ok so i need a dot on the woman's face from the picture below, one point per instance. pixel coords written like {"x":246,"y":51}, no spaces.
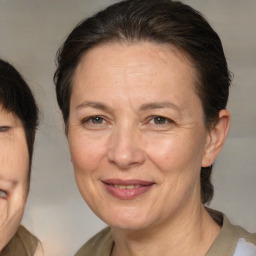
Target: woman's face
{"x":14,"y":165}
{"x":136,"y":134}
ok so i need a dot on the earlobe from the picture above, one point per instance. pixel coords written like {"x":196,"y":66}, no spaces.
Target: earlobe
{"x":216,"y":138}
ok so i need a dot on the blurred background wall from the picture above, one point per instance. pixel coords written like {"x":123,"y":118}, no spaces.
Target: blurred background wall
{"x":31,"y":32}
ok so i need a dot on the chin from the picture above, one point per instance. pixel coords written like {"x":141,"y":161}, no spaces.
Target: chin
{"x":126,"y":219}
{"x":128,"y":225}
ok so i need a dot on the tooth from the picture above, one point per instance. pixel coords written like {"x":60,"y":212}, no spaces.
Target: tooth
{"x":126,"y":187}
{"x":3,"y":194}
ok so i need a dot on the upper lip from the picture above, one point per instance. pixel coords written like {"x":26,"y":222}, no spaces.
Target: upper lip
{"x":127,"y":182}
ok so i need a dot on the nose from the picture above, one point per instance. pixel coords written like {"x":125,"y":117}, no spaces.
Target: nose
{"x":126,"y":148}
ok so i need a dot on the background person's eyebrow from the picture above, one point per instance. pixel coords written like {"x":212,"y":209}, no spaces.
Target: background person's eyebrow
{"x":93,"y":104}
{"x":158,"y":105}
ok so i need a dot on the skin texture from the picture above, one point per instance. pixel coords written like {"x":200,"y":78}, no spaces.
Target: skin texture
{"x":134,"y":115}
{"x":14,"y":166}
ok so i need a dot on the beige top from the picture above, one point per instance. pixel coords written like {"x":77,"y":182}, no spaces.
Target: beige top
{"x":22,"y":244}
{"x":231,"y":241}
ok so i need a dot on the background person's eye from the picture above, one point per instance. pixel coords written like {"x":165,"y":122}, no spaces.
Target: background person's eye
{"x":3,"y":193}
{"x":4,"y":128}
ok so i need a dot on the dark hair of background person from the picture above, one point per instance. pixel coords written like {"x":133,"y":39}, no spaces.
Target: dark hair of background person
{"x":163,"y":22}
{"x":17,"y":98}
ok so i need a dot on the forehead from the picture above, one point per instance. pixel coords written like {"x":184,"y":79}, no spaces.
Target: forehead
{"x":148,"y":51}
{"x":128,"y":76}
{"x":10,"y":117}
{"x":142,"y":59}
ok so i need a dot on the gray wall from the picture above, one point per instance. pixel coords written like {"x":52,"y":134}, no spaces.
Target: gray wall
{"x":30,"y":33}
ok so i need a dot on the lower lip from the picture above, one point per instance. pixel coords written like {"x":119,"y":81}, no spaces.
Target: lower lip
{"x":127,"y":194}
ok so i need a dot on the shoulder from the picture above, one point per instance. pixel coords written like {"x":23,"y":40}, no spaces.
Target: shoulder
{"x":99,"y":245}
{"x":26,"y":236}
{"x":233,"y":240}
{"x":23,"y":243}
{"x":246,"y":243}
{"x":237,"y":233}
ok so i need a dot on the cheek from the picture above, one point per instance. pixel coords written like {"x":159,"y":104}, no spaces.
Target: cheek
{"x":14,"y":162}
{"x":3,"y":211}
{"x":23,"y":167}
{"x":86,"y":154}
{"x":175,"y":153}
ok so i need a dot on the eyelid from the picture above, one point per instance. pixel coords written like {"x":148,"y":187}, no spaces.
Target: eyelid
{"x":88,"y":123}
{"x":86,"y":119}
{"x":159,"y":116}
{"x":4,"y":128}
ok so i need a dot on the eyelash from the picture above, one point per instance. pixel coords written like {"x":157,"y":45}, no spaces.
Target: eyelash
{"x":101,"y":121}
{"x":91,"y":119}
{"x":161,"y":118}
{"x":4,"y":128}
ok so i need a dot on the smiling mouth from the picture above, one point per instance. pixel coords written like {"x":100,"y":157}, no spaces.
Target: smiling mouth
{"x":3,"y":194}
{"x":127,"y":189}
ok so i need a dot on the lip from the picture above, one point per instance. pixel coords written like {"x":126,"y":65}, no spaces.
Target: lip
{"x":127,"y":189}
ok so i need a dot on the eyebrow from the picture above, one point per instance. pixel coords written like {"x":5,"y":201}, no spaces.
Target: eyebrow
{"x":158,"y":105}
{"x":93,"y":104}
{"x":143,"y":107}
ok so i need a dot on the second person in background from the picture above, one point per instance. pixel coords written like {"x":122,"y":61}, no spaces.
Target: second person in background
{"x":18,"y":124}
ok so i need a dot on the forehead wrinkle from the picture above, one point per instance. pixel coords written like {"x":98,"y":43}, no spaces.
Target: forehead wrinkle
{"x":159,"y":105}
{"x":94,"y":104}
{"x":134,"y":75}
{"x":135,"y":71}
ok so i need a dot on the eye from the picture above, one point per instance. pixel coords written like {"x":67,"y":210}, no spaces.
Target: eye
{"x":4,"y":128}
{"x":94,"y":122}
{"x":160,"y":120}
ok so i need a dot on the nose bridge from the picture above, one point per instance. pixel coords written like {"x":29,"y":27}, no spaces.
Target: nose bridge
{"x":125,"y":149}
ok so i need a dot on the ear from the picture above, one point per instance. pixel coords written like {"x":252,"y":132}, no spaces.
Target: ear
{"x":216,"y":138}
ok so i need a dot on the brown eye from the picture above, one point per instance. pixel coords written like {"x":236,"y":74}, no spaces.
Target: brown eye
{"x":4,"y":128}
{"x":160,"y":120}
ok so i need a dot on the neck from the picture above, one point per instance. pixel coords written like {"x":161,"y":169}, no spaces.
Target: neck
{"x":188,"y":234}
